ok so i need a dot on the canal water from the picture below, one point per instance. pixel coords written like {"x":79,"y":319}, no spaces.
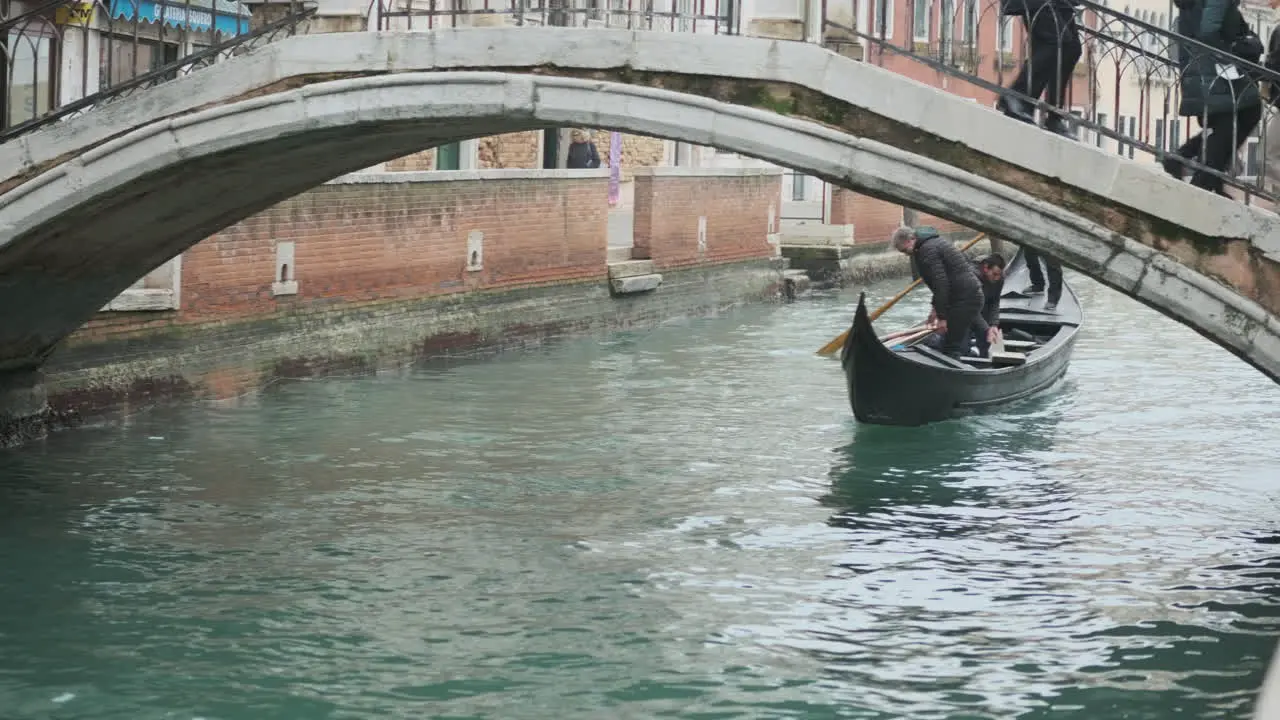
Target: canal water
{"x":678,"y":522}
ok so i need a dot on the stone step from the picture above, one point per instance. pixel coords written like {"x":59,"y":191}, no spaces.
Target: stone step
{"x":619,"y":254}
{"x":630,"y":268}
{"x":635,"y":284}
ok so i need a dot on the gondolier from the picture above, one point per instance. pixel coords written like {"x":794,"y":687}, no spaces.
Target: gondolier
{"x":892,"y":382}
{"x":957,"y":294}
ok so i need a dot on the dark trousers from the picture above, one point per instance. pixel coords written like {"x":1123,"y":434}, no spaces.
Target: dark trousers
{"x":1227,"y":132}
{"x":1037,"y":274}
{"x":979,"y":338}
{"x":959,"y":319}
{"x":1055,"y":50}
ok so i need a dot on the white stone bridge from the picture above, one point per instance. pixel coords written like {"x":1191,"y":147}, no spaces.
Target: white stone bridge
{"x":90,"y":204}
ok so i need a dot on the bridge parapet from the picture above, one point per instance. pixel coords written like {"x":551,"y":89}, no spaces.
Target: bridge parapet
{"x":1124,"y":95}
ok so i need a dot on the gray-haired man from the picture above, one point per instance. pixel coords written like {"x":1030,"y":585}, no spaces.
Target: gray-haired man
{"x":957,"y":293}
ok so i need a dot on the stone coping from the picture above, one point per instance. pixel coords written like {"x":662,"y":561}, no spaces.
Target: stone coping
{"x":672,"y":171}
{"x":377,"y":177}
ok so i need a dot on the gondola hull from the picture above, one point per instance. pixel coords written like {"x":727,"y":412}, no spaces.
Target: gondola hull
{"x":915,"y":386}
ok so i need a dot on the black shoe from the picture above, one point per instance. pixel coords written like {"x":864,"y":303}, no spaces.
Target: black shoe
{"x":1033,"y":290}
{"x":1174,"y":167}
{"x":1058,"y":125}
{"x":1051,"y":307}
{"x":1016,"y":109}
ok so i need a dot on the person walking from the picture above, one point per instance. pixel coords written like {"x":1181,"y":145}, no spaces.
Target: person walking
{"x":1223,"y":98}
{"x":1055,"y":49}
{"x":1271,"y":153}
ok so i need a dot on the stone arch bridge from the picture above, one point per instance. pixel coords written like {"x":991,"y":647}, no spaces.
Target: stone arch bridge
{"x":89,"y":205}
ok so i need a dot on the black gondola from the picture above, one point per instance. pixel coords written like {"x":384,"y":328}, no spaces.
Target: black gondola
{"x":918,"y":385}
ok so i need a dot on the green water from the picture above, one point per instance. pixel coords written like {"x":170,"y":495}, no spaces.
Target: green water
{"x":682,"y":522}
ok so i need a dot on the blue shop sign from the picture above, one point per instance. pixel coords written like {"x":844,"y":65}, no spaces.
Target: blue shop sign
{"x":193,"y":17}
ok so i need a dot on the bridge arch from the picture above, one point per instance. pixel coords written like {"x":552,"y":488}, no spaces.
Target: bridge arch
{"x":76,"y":232}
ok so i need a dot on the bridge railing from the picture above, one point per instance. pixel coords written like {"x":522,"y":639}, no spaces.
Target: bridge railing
{"x":1125,"y":93}
{"x":696,"y":16}
{"x":64,"y":58}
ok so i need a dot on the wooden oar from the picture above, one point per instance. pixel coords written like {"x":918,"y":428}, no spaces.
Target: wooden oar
{"x":908,"y":340}
{"x":838,"y":342}
{"x":901,"y":333}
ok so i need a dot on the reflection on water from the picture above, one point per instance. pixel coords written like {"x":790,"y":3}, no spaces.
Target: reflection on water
{"x":682,"y":522}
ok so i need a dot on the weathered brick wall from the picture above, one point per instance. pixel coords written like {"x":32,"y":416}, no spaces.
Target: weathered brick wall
{"x":511,"y":150}
{"x":874,"y":220}
{"x":520,"y":151}
{"x":425,"y":160}
{"x":736,"y":205}
{"x":638,"y":151}
{"x":387,"y":240}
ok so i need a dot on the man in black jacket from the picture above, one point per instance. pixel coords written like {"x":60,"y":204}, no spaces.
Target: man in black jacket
{"x":990,"y":272}
{"x":957,"y":294}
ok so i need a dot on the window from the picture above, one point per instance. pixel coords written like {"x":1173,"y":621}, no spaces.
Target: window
{"x":29,"y":71}
{"x":686,"y":10}
{"x":1006,"y":34}
{"x":1159,"y":143}
{"x":1102,"y":122}
{"x":121,"y":58}
{"x":1175,"y":133}
{"x":970,"y":28}
{"x":1252,"y":160}
{"x":797,"y":186}
{"x":1120,"y":130}
{"x":880,"y":23}
{"x":449,"y":157}
{"x":920,"y":20}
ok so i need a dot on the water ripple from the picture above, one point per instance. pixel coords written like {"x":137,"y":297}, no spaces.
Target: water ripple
{"x":675,"y":522}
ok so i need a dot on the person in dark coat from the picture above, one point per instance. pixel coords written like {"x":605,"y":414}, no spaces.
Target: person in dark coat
{"x":990,"y":272}
{"x":1055,"y":50}
{"x":1219,"y":94}
{"x":957,"y":294}
{"x":582,"y":152}
{"x":1037,"y":277}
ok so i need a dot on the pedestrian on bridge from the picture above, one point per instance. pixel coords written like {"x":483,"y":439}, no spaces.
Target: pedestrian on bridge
{"x":1223,"y":98}
{"x":957,"y":293}
{"x":1271,"y":156}
{"x":1055,"y":50}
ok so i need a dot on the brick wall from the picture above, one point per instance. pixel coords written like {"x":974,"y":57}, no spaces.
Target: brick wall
{"x":874,"y":220}
{"x":367,"y":241}
{"x":425,"y":160}
{"x":520,"y":150}
{"x":380,"y":261}
{"x":510,"y":150}
{"x":735,"y":203}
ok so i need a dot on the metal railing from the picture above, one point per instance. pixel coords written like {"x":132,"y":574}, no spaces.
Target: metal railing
{"x":697,"y":16}
{"x":64,"y":58}
{"x":1125,"y":90}
{"x":1125,"y":86}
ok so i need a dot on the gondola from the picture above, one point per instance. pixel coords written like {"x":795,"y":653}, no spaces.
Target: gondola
{"x":915,"y":385}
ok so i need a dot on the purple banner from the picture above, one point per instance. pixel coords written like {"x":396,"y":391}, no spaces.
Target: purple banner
{"x":615,"y":171}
